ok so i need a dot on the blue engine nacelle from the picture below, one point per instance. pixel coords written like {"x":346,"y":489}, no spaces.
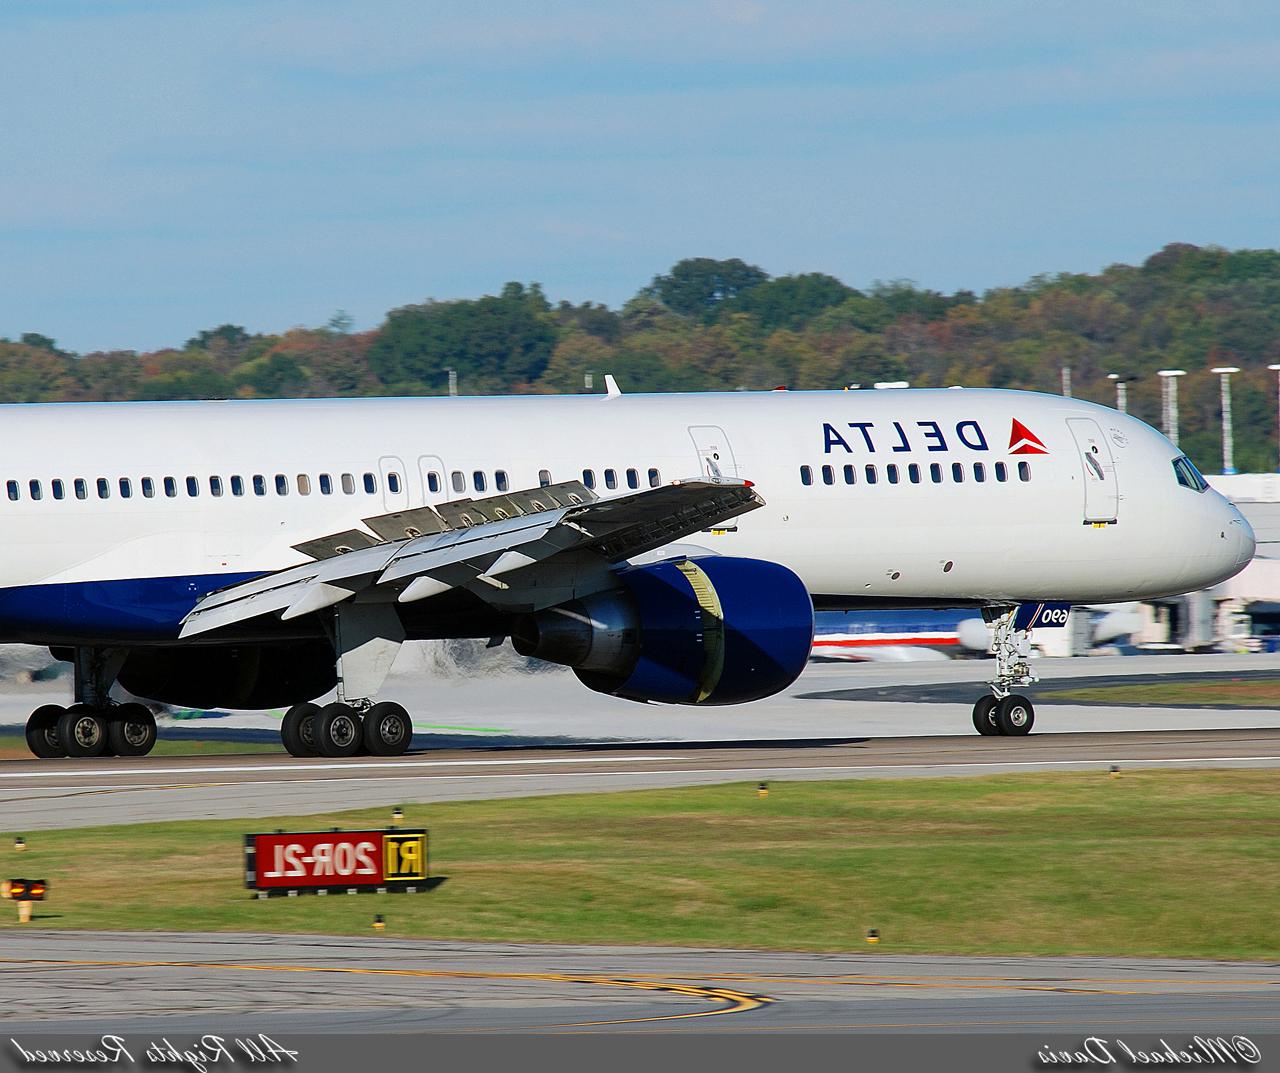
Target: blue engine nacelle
{"x":710,"y":630}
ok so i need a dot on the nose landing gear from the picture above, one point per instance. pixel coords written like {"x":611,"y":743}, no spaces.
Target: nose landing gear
{"x":1005,"y":712}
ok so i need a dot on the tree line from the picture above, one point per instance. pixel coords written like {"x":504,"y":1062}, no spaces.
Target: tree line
{"x":728,"y":325}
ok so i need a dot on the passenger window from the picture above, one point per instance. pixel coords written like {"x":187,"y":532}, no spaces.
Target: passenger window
{"x":633,"y":479}
{"x":459,"y":481}
{"x":477,"y":481}
{"x":544,"y":478}
{"x":913,"y":473}
{"x":215,"y":486}
{"x":655,"y":478}
{"x":104,"y":488}
{"x":611,"y":478}
{"x":1024,"y":471}
{"x":237,"y":486}
{"x":304,"y":485}
{"x":58,"y":488}
{"x":433,"y":482}
{"x":371,"y":483}
{"x":259,"y":484}
{"x":170,"y":487}
{"x":871,"y":474}
{"x":957,"y":472}
{"x":393,"y":483}
{"x":850,"y":475}
{"x":36,"y":492}
{"x":12,"y":488}
{"x":935,"y":472}
{"x":979,"y":472}
{"x":82,"y":489}
{"x":589,"y":478}
{"x":891,"y":471}
{"x":828,"y":475}
{"x":349,"y":484}
{"x":193,"y":487}
{"x":806,"y":475}
{"x":282,"y":485}
{"x":1002,"y":472}
{"x":148,"y":489}
{"x":126,"y":488}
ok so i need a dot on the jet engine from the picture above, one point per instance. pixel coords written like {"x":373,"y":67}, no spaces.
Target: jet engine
{"x":706,"y":630}
{"x":230,"y":676}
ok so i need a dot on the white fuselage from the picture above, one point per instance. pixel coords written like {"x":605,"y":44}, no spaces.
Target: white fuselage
{"x":1114,"y":526}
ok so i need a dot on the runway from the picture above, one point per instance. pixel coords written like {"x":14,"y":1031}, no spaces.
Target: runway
{"x":90,"y":982}
{"x":53,"y":794}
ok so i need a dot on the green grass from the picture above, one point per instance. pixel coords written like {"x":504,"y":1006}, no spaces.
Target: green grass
{"x":1237,"y":693}
{"x":13,"y":746}
{"x":1183,"y":863}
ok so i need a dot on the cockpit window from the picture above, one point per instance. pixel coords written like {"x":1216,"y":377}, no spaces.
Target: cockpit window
{"x":1188,"y":476}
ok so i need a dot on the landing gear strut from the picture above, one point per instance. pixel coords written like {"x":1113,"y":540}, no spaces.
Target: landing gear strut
{"x":366,"y":638}
{"x":93,"y":725}
{"x":1005,"y":712}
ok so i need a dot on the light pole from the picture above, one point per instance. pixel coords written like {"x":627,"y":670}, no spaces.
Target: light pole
{"x":1169,"y":398}
{"x":1122,"y":390}
{"x":1276,"y":369}
{"x":1228,"y":445}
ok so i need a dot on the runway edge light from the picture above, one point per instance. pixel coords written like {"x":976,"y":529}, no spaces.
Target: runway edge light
{"x":762,"y":790}
{"x":19,"y":843}
{"x":873,"y":936}
{"x":379,"y":923}
{"x":1114,"y":771}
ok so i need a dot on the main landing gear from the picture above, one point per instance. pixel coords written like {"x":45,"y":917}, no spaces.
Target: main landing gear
{"x":337,"y":730}
{"x":93,"y":725}
{"x":366,"y":638}
{"x":1005,"y":712}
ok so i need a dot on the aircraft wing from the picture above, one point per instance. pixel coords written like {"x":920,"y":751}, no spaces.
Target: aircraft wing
{"x":512,"y":550}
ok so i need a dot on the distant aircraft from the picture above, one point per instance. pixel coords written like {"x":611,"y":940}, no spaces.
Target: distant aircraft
{"x":889,"y":634}
{"x":671,"y":548}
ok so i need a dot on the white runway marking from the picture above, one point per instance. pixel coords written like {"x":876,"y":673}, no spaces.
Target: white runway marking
{"x":89,"y":772}
{"x":779,"y":773}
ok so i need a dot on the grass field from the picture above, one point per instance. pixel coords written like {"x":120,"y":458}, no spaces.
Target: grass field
{"x":1235,"y":693}
{"x":13,"y":746}
{"x":1182,"y":863}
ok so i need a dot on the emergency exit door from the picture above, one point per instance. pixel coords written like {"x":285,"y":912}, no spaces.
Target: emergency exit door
{"x":715,"y":461}
{"x":1101,"y":492}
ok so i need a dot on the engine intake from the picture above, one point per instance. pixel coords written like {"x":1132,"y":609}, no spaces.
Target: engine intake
{"x":708,"y":630}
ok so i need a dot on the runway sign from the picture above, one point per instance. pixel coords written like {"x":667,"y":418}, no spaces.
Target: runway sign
{"x":336,"y":862}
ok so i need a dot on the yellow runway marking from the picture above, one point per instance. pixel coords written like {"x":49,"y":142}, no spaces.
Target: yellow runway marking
{"x":734,"y":1001}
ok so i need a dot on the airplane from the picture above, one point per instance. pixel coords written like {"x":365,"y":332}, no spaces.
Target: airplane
{"x":897,"y":635}
{"x":669,"y":548}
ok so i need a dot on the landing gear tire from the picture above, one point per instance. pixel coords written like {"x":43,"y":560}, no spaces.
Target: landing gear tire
{"x":131,"y":730}
{"x":338,"y":730}
{"x":82,"y":731}
{"x":387,"y":729}
{"x":1015,"y":716}
{"x":984,"y":716}
{"x":298,"y":730}
{"x":42,"y":732}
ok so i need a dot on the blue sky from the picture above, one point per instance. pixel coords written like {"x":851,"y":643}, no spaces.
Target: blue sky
{"x":172,"y":166}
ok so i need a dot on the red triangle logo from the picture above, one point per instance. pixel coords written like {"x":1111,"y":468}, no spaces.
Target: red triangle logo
{"x":1022,"y":441}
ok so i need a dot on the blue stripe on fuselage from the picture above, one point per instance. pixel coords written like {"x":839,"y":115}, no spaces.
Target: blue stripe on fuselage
{"x":134,"y":609}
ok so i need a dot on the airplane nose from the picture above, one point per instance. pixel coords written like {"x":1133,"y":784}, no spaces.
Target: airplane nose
{"x":1245,"y":540}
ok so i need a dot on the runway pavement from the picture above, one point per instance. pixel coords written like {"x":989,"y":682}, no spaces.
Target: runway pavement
{"x":50,"y":794}
{"x":90,"y":982}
